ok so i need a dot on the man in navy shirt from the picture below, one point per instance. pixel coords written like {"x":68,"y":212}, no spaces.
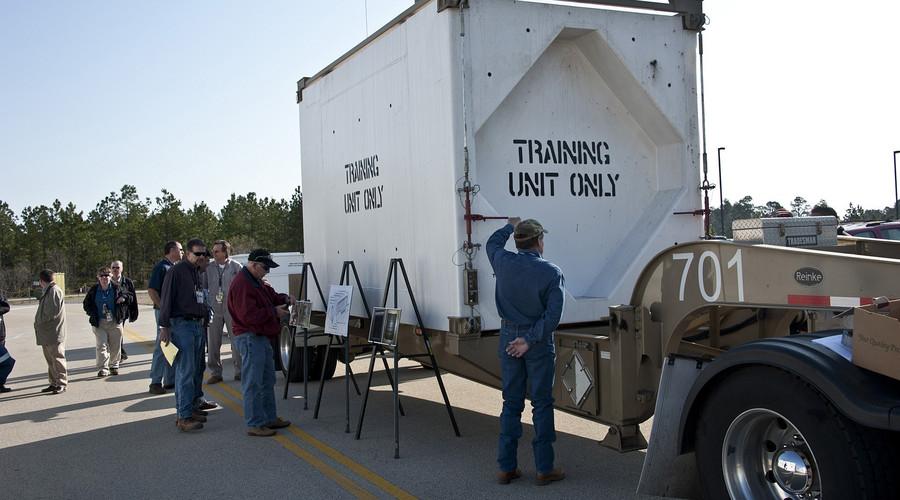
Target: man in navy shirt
{"x":530,"y":296}
{"x":183,"y":314}
{"x":159,"y":368}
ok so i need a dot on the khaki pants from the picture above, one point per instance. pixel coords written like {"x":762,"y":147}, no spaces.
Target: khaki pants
{"x":215,"y":332}
{"x":55,"y":354}
{"x":109,"y":344}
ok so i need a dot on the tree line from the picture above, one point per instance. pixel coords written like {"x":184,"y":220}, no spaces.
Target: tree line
{"x":799,"y":207}
{"x":123,"y":226}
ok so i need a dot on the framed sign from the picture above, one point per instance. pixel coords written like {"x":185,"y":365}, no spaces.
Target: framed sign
{"x":300,"y":314}
{"x":385,"y":326}
{"x":337,"y":318}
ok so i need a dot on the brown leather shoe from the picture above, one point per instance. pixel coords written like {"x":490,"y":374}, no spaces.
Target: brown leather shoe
{"x":197,"y":417}
{"x":278,"y":423}
{"x":260,"y":431}
{"x":207,"y":405}
{"x":215,"y":379}
{"x":506,"y":477}
{"x":549,"y":477}
{"x":188,"y":424}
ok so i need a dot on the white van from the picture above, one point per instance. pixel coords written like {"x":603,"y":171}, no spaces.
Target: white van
{"x":288,"y":263}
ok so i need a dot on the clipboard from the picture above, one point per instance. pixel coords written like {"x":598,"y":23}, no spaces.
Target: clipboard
{"x":169,"y":350}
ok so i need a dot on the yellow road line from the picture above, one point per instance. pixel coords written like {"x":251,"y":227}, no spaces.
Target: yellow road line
{"x":137,"y":337}
{"x":335,"y":455}
{"x":339,"y":457}
{"x":321,"y":466}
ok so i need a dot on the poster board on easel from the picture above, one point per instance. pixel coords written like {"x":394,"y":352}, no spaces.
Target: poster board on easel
{"x":337,"y":316}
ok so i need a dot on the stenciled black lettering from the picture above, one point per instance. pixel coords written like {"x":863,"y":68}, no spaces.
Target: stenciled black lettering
{"x":552,"y":176}
{"x":612,"y":182}
{"x":519,"y":143}
{"x":351,"y":202}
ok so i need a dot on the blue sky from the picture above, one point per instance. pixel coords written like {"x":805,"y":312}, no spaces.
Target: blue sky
{"x":198,"y":97}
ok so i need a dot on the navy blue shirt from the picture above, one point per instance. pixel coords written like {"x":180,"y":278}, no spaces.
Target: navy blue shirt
{"x":105,"y":298}
{"x":530,"y":290}
{"x":158,"y":275}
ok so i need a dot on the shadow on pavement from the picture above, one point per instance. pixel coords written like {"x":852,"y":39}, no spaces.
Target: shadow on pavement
{"x":45,"y":414}
{"x":151,"y":459}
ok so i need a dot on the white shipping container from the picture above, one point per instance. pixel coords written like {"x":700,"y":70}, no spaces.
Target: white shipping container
{"x":583,"y":118}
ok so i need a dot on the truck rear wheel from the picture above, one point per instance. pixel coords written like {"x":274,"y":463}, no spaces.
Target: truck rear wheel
{"x":764,"y":433}
{"x":282,"y":358}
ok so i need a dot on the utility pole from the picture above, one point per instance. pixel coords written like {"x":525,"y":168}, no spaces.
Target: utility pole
{"x":721,"y":197}
{"x":896,"y":197}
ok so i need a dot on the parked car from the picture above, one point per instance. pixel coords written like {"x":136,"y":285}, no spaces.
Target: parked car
{"x":887,"y":230}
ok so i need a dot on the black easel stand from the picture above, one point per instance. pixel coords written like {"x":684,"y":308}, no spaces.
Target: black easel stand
{"x":304,"y":284}
{"x":349,"y":266}
{"x":392,"y":274}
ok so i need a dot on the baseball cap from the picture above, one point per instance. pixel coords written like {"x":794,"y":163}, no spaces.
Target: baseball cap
{"x":262,"y":256}
{"x":529,"y":228}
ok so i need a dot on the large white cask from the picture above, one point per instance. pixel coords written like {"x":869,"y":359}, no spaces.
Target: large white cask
{"x":583,"y":118}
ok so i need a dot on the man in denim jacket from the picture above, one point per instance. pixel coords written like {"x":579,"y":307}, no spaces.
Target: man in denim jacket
{"x":530,"y":296}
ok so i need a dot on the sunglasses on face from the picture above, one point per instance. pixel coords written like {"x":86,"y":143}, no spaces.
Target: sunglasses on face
{"x":115,"y":267}
{"x":202,"y":254}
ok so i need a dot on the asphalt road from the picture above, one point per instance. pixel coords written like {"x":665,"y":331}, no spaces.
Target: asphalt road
{"x":109,"y":437}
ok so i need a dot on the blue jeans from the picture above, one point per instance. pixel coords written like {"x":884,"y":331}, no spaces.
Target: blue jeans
{"x":201,"y":367}
{"x":6,"y":365}
{"x":159,"y":368}
{"x":257,"y":378}
{"x":538,"y":367}
{"x":186,"y":336}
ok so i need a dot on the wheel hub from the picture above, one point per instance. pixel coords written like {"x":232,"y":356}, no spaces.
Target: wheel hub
{"x":764,"y":455}
{"x":792,"y":471}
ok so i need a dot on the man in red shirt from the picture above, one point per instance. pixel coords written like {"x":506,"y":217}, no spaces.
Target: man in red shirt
{"x":256,"y":311}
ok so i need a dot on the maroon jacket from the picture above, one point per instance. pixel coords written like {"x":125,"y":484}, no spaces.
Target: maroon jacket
{"x":251,"y":303}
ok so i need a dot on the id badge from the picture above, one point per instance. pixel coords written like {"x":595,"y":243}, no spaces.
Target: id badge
{"x":199,"y":295}
{"x":220,"y":296}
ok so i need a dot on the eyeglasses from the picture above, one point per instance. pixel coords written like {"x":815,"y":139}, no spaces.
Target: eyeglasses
{"x":265,"y":267}
{"x":202,"y":254}
{"x":104,"y":276}
{"x":115,"y":267}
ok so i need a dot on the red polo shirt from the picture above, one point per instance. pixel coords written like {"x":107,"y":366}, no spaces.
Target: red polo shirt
{"x":251,"y":303}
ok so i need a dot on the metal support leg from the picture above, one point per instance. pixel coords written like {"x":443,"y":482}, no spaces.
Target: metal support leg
{"x":362,"y":410}
{"x":437,"y":374}
{"x":321,"y":380}
{"x":347,"y":375}
{"x":305,"y":367}
{"x":387,"y":370}
{"x":396,"y":404}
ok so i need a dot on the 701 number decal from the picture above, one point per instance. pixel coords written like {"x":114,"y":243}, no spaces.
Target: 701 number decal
{"x":710,"y":258}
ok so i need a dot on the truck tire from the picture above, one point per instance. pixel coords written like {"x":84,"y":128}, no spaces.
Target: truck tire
{"x":329,"y":357}
{"x":765,"y":433}
{"x":283,"y":354}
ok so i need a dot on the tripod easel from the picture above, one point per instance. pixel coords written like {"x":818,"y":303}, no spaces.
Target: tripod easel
{"x":392,"y":276}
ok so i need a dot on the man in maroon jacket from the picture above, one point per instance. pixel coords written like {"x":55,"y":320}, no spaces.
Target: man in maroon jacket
{"x":256,"y":312}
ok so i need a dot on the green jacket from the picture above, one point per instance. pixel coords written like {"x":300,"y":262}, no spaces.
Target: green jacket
{"x":50,"y":319}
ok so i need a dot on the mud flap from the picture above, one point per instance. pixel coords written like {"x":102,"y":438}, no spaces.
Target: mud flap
{"x":665,"y":472}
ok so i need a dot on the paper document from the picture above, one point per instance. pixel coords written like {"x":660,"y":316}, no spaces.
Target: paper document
{"x":169,"y":351}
